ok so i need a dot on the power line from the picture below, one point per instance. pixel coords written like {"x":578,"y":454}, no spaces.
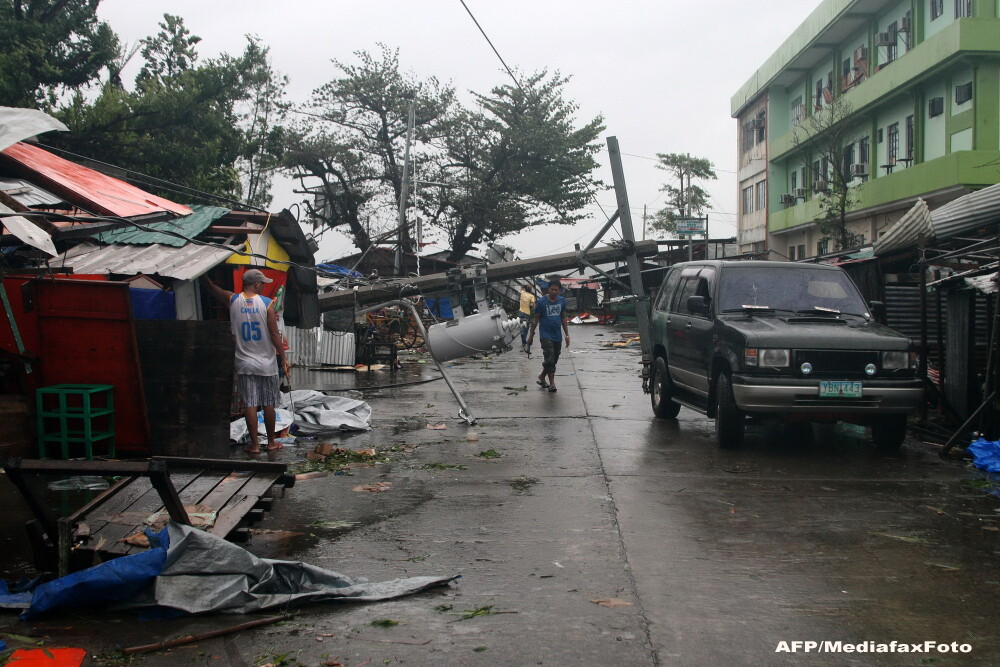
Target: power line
{"x":493,"y":47}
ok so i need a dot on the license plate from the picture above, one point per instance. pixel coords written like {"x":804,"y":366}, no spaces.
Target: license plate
{"x":839,"y":389}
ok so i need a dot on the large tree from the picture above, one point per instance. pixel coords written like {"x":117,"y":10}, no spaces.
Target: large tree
{"x":518,"y":160}
{"x":820,"y":140}
{"x":212,"y":127}
{"x":48,"y":47}
{"x":349,"y":148}
{"x":684,"y":197}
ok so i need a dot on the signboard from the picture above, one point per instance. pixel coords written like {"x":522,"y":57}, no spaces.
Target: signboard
{"x":690,"y":225}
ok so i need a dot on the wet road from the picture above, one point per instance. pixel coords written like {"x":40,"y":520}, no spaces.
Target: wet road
{"x":700,"y":556}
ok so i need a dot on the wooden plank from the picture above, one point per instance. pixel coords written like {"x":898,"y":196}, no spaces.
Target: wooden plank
{"x":232,"y":514}
{"x":147,"y":502}
{"x":229,"y":465}
{"x":228,"y":487}
{"x":494,"y":273}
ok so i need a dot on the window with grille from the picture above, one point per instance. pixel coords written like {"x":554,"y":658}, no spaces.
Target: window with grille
{"x":748,"y":199}
{"x":848,"y":160}
{"x":963,"y":8}
{"x":797,"y":111}
{"x":761,"y":199}
{"x":937,"y":8}
{"x":893,"y":149}
{"x":863,"y":151}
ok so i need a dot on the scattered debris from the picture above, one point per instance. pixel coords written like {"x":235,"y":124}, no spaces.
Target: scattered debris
{"x":443,"y":466}
{"x":136,"y":540}
{"x":63,"y":657}
{"x":377,"y":487}
{"x":514,"y":391}
{"x":903,"y":538}
{"x":489,"y":454}
{"x":391,"y":640}
{"x":190,"y":639}
{"x":333,"y":524}
{"x":311,"y":475}
{"x":384,"y":623}
{"x":946,"y":568}
{"x":612,"y":603}
{"x":437,"y":427}
{"x":472,"y":437}
{"x":522,"y":485}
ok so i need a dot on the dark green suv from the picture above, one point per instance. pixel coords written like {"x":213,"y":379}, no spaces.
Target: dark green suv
{"x":796,"y":342}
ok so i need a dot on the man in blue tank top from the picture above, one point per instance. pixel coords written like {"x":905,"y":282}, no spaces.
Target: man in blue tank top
{"x":551,"y":324}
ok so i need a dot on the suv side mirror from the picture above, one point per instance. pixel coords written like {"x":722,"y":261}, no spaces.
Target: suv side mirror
{"x":878,"y":310}
{"x":697,"y":305}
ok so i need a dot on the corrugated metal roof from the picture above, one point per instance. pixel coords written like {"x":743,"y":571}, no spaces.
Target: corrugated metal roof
{"x":35,"y":196}
{"x":26,"y":231}
{"x":907,"y":230}
{"x":189,"y":226}
{"x":86,"y":187}
{"x":185,"y":263}
{"x":974,"y":210}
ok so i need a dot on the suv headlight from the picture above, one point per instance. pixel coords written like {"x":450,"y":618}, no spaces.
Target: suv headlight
{"x":766,"y":357}
{"x":895,"y":361}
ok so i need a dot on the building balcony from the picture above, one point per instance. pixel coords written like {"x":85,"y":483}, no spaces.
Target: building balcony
{"x":964,"y":169}
{"x":965,"y":37}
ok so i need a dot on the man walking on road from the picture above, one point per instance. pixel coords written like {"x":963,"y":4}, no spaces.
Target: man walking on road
{"x":258,"y":348}
{"x":549,"y":320}
{"x":528,"y":301}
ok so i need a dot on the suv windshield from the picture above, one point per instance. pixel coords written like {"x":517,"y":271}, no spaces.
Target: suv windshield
{"x":794,"y":289}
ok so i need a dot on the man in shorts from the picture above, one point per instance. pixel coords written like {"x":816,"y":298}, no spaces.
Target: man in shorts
{"x":551,"y":324}
{"x":258,"y":349}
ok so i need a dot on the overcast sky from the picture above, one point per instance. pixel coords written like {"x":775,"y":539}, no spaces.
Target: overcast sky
{"x":661,"y":72}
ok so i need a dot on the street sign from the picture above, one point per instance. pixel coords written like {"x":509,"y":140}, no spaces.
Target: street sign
{"x":690,"y":225}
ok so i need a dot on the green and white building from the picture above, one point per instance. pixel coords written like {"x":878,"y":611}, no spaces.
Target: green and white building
{"x":918,"y":85}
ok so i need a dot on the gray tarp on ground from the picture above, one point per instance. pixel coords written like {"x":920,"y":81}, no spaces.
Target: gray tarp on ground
{"x":319,"y":414}
{"x":204,"y":573}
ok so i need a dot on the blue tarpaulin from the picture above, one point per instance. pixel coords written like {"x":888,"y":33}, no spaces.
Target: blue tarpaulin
{"x":339,"y":270}
{"x":986,"y":455}
{"x":115,"y":580}
{"x":152,"y":304}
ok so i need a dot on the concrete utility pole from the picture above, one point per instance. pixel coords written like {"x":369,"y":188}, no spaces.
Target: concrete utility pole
{"x":403,"y":192}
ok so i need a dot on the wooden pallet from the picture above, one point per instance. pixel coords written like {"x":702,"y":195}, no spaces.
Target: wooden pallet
{"x":237,"y":492}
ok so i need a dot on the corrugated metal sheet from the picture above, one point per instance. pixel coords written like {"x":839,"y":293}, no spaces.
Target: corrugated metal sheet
{"x":85,"y":187}
{"x":907,"y":230}
{"x":315,"y":346}
{"x":902,"y":304}
{"x":972,"y":211}
{"x":189,"y":226}
{"x":27,"y":231}
{"x":186,"y":263}
{"x":336,"y":348}
{"x":35,"y":196}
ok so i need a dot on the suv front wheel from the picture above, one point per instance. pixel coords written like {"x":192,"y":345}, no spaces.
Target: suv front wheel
{"x":659,"y":396}
{"x":889,"y":432}
{"x":730,"y":423}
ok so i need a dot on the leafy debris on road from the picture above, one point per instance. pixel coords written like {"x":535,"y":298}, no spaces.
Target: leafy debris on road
{"x":489,"y":454}
{"x":443,"y":466}
{"x":514,"y":391}
{"x":522,"y":485}
{"x":385,"y":623}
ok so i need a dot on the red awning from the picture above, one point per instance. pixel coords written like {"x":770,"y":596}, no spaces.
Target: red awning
{"x":85,"y":187}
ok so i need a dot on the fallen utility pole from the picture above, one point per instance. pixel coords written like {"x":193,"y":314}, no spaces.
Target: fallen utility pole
{"x":494,"y":273}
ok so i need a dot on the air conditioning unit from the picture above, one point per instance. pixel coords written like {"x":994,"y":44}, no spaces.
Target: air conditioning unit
{"x":860,"y":53}
{"x":788,"y":200}
{"x":905,"y":24}
{"x":800,"y":193}
{"x":935,"y":106}
{"x":885,"y":39}
{"x":860,"y":169}
{"x":820,"y":185}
